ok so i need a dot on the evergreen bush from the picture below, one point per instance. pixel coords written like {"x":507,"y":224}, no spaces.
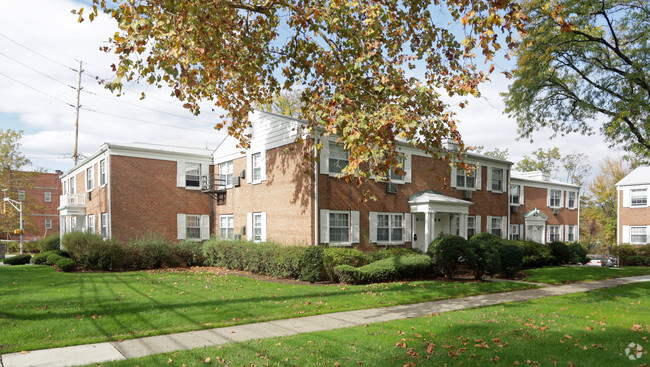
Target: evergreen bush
{"x":512,"y":258}
{"x":578,"y":253}
{"x":389,"y":269}
{"x":449,"y":252}
{"x":18,"y":259}
{"x":486,"y":250}
{"x":561,"y":252}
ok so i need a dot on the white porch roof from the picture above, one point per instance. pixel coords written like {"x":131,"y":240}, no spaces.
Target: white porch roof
{"x":435,"y":202}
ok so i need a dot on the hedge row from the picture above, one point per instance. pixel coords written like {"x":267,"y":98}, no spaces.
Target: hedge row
{"x":18,"y":259}
{"x":633,"y":255}
{"x":389,"y":269}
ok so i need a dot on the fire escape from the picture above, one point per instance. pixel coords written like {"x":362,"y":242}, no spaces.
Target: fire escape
{"x":215,"y":187}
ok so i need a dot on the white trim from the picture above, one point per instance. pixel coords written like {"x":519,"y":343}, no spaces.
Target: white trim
{"x":205,"y":227}
{"x":407,"y":227}
{"x":626,"y":234}
{"x":354,"y":226}
{"x":372,"y":218}
{"x":249,"y":226}
{"x":324,"y":226}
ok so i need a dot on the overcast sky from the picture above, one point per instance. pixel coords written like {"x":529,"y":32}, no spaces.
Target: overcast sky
{"x":41,"y":45}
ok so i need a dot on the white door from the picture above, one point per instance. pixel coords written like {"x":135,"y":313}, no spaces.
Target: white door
{"x":417,"y":223}
{"x":535,"y":234}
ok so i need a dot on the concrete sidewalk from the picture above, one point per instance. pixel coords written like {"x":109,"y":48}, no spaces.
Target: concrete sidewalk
{"x":102,"y":352}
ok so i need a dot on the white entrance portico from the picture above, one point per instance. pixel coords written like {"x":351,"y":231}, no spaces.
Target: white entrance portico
{"x":535,"y":222}
{"x":434,"y":213}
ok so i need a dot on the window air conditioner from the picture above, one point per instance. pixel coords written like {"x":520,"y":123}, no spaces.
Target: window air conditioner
{"x":467,"y":194}
{"x":514,"y":209}
{"x":236,"y":181}
{"x":556,"y":211}
{"x":391,"y":187}
{"x":89,"y":196}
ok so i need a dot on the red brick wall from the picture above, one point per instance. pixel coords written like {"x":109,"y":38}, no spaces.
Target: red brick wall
{"x":631,"y":216}
{"x":98,"y":202}
{"x":145,"y":199}
{"x":286,"y":196}
{"x":427,"y":174}
{"x":535,"y":197}
{"x":36,"y":207}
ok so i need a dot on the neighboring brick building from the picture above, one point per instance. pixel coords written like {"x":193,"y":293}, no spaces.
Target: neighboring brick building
{"x":127,"y":191}
{"x":633,"y":220}
{"x":39,"y":192}
{"x":543,"y":210}
{"x":271,"y":192}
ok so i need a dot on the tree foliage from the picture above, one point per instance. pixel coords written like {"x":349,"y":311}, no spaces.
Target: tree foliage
{"x":571,"y":168}
{"x":540,"y":160}
{"x":494,"y":153}
{"x":598,"y":209}
{"x":582,"y":62}
{"x":370,"y":72}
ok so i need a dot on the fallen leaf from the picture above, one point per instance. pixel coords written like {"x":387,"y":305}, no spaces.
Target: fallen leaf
{"x":207,"y":360}
{"x":24,"y":352}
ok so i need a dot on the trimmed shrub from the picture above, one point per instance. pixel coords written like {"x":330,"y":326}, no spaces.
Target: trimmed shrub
{"x":52,"y":258}
{"x":311,"y":264}
{"x":512,"y":258}
{"x":389,"y":269}
{"x":643,"y":250}
{"x":91,"y":251}
{"x":560,"y":251}
{"x":624,"y":252}
{"x":148,"y":253}
{"x":486,"y":250}
{"x":18,"y":259}
{"x":66,"y":264}
{"x":335,"y":256}
{"x":49,"y":243}
{"x":536,"y":254}
{"x":41,"y":259}
{"x":636,"y":260}
{"x":449,"y":252}
{"x":578,"y":253}
{"x":189,"y":252}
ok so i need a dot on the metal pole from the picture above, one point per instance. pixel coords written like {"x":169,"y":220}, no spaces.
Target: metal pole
{"x":75,"y":155}
{"x":21,"y":226}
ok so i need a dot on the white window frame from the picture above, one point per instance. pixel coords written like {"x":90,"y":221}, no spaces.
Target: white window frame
{"x":48,"y":223}
{"x":472,"y":227}
{"x":336,"y":161}
{"x":465,"y":176}
{"x":65,"y":186}
{"x":256,"y":164}
{"x":493,"y":179}
{"x":394,"y":177}
{"x":102,"y":173}
{"x":90,"y":223}
{"x":511,"y":197}
{"x":498,"y":227}
{"x":21,"y":195}
{"x":394,"y":219}
{"x":192,"y":167}
{"x":226,"y":174}
{"x":73,"y":189}
{"x":226,"y":226}
{"x":554,"y":233}
{"x":192,"y":227}
{"x":90,"y":178}
{"x":569,"y":199}
{"x":643,"y":236}
{"x":555,"y":202}
{"x":571,"y":233}
{"x":642,"y":200}
{"x":47,"y":196}
{"x":514,"y":232}
{"x":104,"y":225}
{"x":347,"y":227}
{"x":258,"y":225}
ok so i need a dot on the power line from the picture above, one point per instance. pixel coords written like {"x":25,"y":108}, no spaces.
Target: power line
{"x":37,"y":53}
{"x":36,"y":90}
{"x":31,"y":68}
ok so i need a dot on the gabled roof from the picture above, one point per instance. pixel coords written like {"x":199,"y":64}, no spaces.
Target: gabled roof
{"x":436,"y":197}
{"x":640,"y":176}
{"x":535,"y":214}
{"x":538,"y":177}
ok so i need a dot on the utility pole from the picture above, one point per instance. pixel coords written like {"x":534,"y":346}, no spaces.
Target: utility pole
{"x":75,"y":155}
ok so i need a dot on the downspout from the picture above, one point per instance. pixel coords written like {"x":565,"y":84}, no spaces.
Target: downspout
{"x":316,"y":227}
{"x":109,"y":188}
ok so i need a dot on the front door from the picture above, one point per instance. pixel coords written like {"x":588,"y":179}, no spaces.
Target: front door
{"x":535,"y":233}
{"x":418,"y":232}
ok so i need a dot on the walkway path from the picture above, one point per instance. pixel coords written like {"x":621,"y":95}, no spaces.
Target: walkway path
{"x":102,"y":352}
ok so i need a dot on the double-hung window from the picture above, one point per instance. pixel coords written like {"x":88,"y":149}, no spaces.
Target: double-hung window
{"x":72,"y":185}
{"x":193,"y":227}
{"x":47,"y":196}
{"x":226,"y":226}
{"x":90,"y":179}
{"x":553,"y":233}
{"x":102,"y":172}
{"x":390,"y":227}
{"x":571,"y":233}
{"x":471,"y":226}
{"x":48,"y":223}
{"x":571,"y":200}
{"x":495,"y":226}
{"x":192,"y":175}
{"x":554,"y":200}
{"x":514,"y":194}
{"x":465,"y":179}
{"x":514,"y":232}
{"x":91,"y":223}
{"x":638,"y":235}
{"x":497,"y":179}
{"x":257,"y":226}
{"x":339,"y":227}
{"x":639,"y":197}
{"x":21,"y":195}
{"x":338,"y":157}
{"x":225,"y":174}
{"x":104,"y":225}
{"x":257,"y":167}
{"x":394,"y":176}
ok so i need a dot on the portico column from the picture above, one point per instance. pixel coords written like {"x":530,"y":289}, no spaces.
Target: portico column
{"x":463,"y":226}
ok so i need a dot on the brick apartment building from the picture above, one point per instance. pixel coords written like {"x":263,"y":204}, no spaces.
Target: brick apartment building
{"x":39,"y":192}
{"x":542,"y":209}
{"x":127,"y":191}
{"x":270,"y":192}
{"x":633,"y":220}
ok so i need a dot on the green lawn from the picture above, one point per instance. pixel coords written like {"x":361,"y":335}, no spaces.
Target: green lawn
{"x":41,"y":308}
{"x":565,"y":274}
{"x":580,"y":329}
